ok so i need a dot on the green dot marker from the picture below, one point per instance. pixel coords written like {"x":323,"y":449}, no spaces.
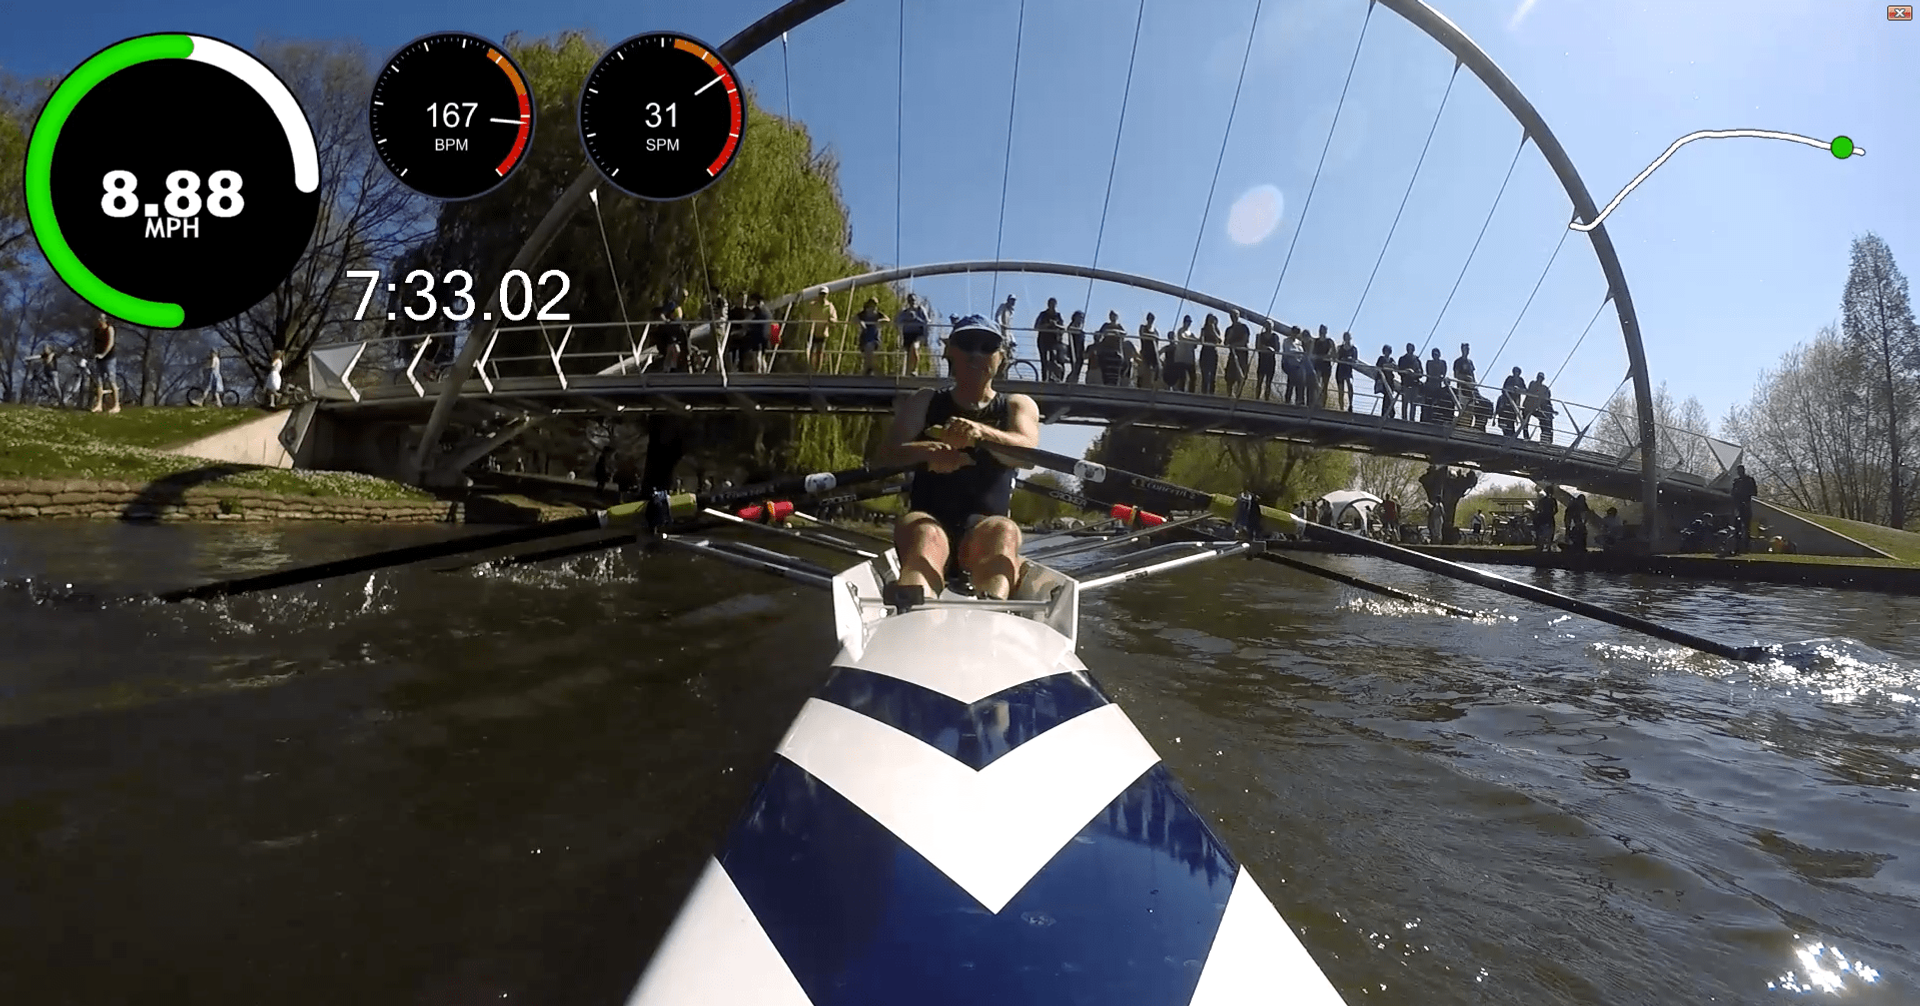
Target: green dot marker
{"x":1842,"y":147}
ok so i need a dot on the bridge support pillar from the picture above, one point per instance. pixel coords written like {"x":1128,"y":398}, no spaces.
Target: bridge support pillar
{"x":666,"y":444}
{"x":1444,"y":486}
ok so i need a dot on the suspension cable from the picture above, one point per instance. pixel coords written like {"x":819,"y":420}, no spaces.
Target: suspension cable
{"x":786,"y":76}
{"x":1604,"y":301}
{"x":1523,"y":308}
{"x":1308,"y":205}
{"x":1232,"y":109}
{"x":1006,"y":163}
{"x":612,"y":273}
{"x":899,"y":132}
{"x":1113,"y":165}
{"x":1388,"y":243}
{"x":1476,"y":243}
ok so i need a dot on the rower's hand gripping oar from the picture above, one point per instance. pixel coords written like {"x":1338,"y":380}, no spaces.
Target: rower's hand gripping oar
{"x":1229,"y":508}
{"x":649,"y":514}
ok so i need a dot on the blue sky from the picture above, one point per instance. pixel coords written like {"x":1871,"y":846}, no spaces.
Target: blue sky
{"x":1735,"y":250}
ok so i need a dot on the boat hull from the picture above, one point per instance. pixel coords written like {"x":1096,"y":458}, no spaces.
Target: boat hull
{"x":961,"y":815}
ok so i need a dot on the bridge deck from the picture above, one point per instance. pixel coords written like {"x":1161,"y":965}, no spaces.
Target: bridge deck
{"x":1570,"y":461}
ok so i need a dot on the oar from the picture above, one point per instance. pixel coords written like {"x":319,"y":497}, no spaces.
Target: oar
{"x":1088,"y":503}
{"x":1227,"y":507}
{"x":639,"y":514}
{"x":754,"y":514}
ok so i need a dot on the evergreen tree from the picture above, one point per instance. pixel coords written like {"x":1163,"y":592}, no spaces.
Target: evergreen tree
{"x":1876,"y":322}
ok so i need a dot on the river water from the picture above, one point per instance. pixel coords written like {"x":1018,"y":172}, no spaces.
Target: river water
{"x":461,"y":788}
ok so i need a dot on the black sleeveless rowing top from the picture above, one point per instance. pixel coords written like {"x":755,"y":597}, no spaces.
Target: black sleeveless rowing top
{"x":984,"y":487}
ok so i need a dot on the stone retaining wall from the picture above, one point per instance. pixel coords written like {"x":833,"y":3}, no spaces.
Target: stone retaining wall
{"x":102,"y":500}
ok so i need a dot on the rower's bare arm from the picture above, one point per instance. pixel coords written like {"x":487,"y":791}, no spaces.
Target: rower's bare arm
{"x":1025,"y":417}
{"x":909,"y":419}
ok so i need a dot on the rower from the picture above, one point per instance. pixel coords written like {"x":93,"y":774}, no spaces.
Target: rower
{"x":961,"y":493}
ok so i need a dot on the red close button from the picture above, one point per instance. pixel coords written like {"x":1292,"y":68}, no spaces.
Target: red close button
{"x":1899,"y":12}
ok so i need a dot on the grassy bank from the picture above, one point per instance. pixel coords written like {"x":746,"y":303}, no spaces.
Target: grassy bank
{"x":64,"y":444}
{"x":1904,"y":545}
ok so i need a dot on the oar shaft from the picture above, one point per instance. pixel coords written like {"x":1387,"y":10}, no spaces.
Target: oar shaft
{"x":1367,"y":585}
{"x":1225,"y":506}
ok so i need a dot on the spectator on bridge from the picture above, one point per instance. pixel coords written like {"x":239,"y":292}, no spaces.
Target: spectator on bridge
{"x":759,"y":334}
{"x":1110,"y":351}
{"x":1149,"y":373}
{"x":1463,"y":373}
{"x":1185,"y":346}
{"x":1209,"y":354}
{"x":1577,"y":523}
{"x":1322,"y":369}
{"x":726,"y":339}
{"x":1003,"y":316}
{"x":1293,"y":364}
{"x":1540,"y":406}
{"x":912,"y":323}
{"x":870,"y":318}
{"x":820,"y":333}
{"x":1513,"y":393}
{"x":1439,"y":398}
{"x":1544,"y":509}
{"x":1345,"y":356}
{"x":1239,"y":337}
{"x":1383,"y":374}
{"x":1409,"y":383}
{"x":1077,"y":343}
{"x":1048,"y":328}
{"x":1266,"y":353}
{"x":1744,"y":489}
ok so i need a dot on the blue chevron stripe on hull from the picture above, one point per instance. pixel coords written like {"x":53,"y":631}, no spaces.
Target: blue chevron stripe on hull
{"x":961,"y":816}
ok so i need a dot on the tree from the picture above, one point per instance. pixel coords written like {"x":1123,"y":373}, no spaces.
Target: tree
{"x":1876,"y":322}
{"x":367,"y":216}
{"x":1135,"y":449}
{"x":19,"y":102}
{"x":1684,"y":430}
{"x":1807,"y":431}
{"x":1385,"y":475}
{"x":1277,"y":470}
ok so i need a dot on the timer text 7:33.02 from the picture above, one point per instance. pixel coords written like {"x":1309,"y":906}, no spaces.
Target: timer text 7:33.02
{"x":515,"y":295}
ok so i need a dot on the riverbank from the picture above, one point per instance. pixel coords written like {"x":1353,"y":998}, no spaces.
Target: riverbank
{"x":63,"y":463}
{"x":1884,"y":575}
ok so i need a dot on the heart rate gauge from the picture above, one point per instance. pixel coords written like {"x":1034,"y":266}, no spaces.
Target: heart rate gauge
{"x":172,"y":181}
{"x":661,"y":116}
{"x":451,"y":115}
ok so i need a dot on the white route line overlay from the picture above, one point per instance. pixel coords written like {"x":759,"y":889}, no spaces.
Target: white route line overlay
{"x":1706,"y":134}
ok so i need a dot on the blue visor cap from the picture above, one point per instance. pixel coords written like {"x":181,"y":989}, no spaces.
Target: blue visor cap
{"x":975,"y":334}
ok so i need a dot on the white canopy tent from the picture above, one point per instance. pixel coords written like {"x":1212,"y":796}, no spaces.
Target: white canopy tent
{"x":1352,"y":504}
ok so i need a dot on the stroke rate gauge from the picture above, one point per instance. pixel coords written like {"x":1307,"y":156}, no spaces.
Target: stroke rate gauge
{"x":172,"y":181}
{"x":661,"y":116}
{"x":451,"y":115}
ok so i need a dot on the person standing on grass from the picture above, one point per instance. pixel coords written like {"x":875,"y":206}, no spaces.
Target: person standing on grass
{"x":1744,"y":489}
{"x":106,"y":375}
{"x":216,"y":386}
{"x":273,"y":379}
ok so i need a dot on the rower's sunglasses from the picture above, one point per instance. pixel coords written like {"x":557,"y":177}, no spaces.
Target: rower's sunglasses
{"x":976,"y":343}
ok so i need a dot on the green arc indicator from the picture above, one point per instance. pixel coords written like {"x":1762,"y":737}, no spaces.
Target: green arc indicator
{"x":237,"y":178}
{"x":39,"y":182}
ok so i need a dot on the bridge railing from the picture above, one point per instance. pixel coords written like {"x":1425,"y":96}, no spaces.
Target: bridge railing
{"x":413,"y":366}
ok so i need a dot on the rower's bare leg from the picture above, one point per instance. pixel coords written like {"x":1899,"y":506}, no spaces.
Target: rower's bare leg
{"x":990,"y":553}
{"x":922,"y":545}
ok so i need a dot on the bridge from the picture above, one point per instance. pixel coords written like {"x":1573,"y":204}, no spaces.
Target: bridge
{"x":376,"y":407}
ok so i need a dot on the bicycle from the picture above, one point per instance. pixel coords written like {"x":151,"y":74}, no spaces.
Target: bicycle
{"x":197,"y":396}
{"x":1012,"y":371}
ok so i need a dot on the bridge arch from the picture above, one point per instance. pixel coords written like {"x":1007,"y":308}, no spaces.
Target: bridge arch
{"x":1416,"y":12}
